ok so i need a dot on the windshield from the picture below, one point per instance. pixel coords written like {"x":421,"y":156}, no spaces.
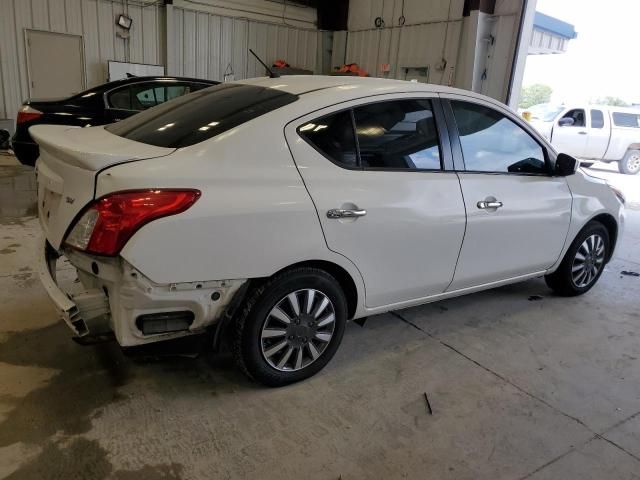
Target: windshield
{"x":200,"y":115}
{"x":545,"y":111}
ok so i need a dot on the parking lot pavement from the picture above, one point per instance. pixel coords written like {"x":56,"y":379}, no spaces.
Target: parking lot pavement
{"x":520,"y":384}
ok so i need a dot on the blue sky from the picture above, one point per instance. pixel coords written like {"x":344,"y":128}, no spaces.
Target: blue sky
{"x":601,"y":60}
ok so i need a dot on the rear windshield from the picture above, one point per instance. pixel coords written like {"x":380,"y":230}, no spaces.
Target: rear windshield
{"x":201,"y":115}
{"x":626,"y":119}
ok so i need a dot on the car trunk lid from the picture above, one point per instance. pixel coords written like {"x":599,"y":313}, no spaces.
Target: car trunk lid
{"x":70,"y":158}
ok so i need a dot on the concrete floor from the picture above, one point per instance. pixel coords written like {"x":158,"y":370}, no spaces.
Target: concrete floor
{"x":519,"y":388}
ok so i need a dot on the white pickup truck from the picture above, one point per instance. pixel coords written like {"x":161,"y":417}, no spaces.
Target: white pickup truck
{"x":591,"y":132}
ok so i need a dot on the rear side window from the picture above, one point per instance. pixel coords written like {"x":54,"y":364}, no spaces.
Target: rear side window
{"x":398,"y":135}
{"x":200,"y":115}
{"x":121,"y":98}
{"x":626,"y":119}
{"x":393,"y":135}
{"x":493,"y":143}
{"x":333,"y":136}
{"x":597,"y":119}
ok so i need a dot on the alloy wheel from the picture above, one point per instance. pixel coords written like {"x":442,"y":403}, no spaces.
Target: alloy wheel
{"x":297,"y":330}
{"x":633,"y":163}
{"x":588,"y":261}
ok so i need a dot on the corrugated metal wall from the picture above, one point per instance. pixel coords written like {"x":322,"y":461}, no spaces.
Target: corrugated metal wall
{"x":206,"y":45}
{"x":93,"y":19}
{"x":410,"y":46}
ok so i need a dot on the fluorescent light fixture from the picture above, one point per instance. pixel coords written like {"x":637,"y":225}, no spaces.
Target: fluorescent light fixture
{"x":124,"y":22}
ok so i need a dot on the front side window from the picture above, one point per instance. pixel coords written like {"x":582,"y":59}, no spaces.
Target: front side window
{"x":200,"y":115}
{"x":399,"y":134}
{"x":493,"y":143}
{"x":626,"y":119}
{"x":597,"y":119}
{"x":577,"y":115}
{"x":145,"y":96}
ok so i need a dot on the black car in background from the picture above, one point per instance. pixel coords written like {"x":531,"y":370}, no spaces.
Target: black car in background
{"x":100,"y":105}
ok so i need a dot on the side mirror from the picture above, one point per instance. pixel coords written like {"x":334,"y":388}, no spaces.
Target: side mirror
{"x":566,"y":122}
{"x":565,"y":165}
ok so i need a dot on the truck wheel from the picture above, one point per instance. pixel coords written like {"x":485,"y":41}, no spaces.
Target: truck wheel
{"x":290,"y":327}
{"x":630,"y":164}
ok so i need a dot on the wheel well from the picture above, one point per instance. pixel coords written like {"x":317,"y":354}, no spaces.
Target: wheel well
{"x":612,"y":228}
{"x":340,"y":274}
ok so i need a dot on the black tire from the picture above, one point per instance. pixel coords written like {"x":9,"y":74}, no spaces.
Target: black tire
{"x":562,"y":280}
{"x":248,"y":343}
{"x":630,"y":164}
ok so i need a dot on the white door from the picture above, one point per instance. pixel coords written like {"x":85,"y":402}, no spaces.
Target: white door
{"x":599,"y":133}
{"x":571,"y":139}
{"x":383,"y":202}
{"x":517,"y":214}
{"x":56,"y":67}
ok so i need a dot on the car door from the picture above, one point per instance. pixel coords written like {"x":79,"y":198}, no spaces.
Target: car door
{"x":375,"y":173}
{"x":571,"y":139}
{"x":599,"y":129}
{"x":518,"y":214}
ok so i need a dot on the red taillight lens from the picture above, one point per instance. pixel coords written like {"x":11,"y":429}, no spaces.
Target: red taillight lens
{"x":109,"y":222}
{"x":27,"y":113}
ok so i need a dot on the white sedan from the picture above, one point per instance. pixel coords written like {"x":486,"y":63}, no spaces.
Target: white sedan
{"x":270,"y":211}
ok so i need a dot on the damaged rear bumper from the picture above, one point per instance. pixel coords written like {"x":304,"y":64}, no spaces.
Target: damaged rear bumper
{"x":112,"y":296}
{"x":68,"y":309}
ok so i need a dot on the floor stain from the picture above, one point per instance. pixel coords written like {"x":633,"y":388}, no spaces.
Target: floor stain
{"x":82,"y":458}
{"x":88,"y":380}
{"x":17,"y":195}
{"x":25,"y":280}
{"x":171,"y":471}
{"x":85,"y":459}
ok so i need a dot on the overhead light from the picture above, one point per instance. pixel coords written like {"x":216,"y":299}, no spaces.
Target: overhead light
{"x":124,"y":22}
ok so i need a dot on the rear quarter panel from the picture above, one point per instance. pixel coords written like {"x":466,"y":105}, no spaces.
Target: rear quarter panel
{"x":621,"y":139}
{"x":253,"y":219}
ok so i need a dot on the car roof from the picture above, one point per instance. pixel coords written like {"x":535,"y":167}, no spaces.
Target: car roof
{"x":302,"y":84}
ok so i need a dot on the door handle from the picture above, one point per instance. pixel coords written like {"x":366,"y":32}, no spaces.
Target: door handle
{"x":345,"y":213}
{"x":485,"y":205}
{"x":582,"y":133}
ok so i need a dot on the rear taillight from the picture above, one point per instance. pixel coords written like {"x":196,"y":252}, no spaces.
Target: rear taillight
{"x":105,"y":226}
{"x":27,"y":114}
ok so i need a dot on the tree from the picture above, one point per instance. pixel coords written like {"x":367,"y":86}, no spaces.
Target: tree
{"x":612,"y":101}
{"x":535,"y":94}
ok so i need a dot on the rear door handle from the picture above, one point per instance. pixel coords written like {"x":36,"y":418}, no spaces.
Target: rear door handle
{"x":582,"y":133}
{"x":345,"y":213}
{"x":485,"y":205}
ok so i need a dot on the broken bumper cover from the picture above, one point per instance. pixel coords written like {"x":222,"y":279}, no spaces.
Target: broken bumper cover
{"x":113,"y":296}
{"x":47,"y":260}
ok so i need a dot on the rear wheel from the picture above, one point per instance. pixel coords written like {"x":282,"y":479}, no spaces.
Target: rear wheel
{"x":290,"y":327}
{"x":630,"y":164}
{"x":583,"y":263}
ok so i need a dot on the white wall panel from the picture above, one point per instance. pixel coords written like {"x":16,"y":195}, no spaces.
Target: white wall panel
{"x":93,"y":19}
{"x":208,"y":45}
{"x":205,"y":43}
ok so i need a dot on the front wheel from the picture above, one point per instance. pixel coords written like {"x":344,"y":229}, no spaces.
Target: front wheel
{"x":630,"y":164}
{"x":583,"y":263}
{"x":290,"y":327}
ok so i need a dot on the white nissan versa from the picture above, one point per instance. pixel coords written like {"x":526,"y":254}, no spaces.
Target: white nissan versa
{"x":277,"y":209}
